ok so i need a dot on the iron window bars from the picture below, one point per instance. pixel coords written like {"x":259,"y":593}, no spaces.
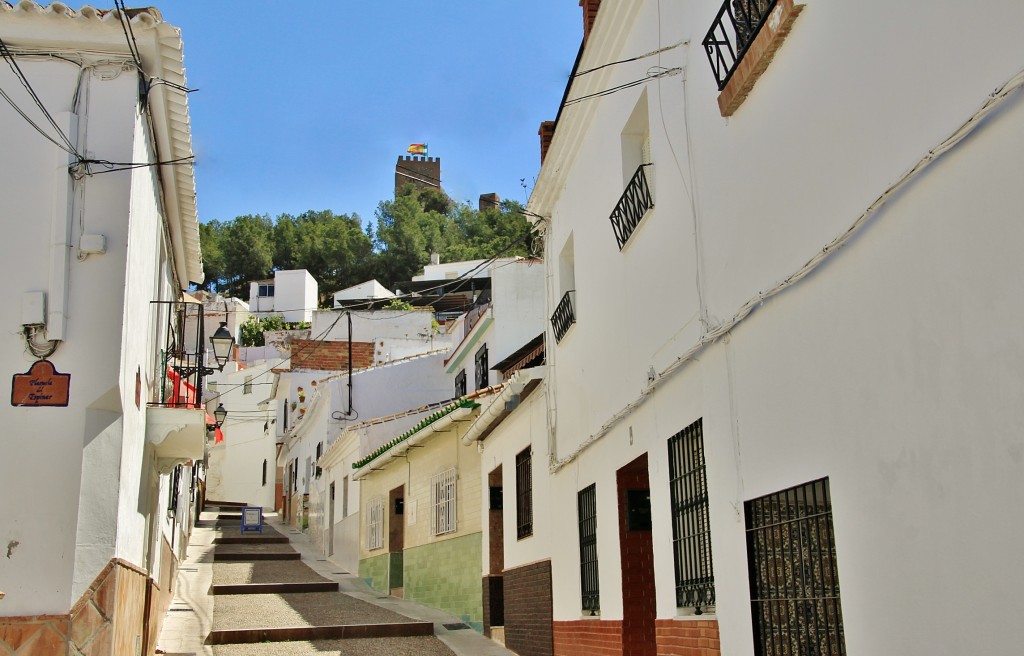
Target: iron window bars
{"x":794,"y":582}
{"x":590,"y":591}
{"x":734,"y":29}
{"x":632,"y":206}
{"x":691,"y":530}
{"x":481,"y":367}
{"x":460,"y":383}
{"x":565,"y":315}
{"x":375,"y":523}
{"x":524,"y":494}
{"x":442,"y":501}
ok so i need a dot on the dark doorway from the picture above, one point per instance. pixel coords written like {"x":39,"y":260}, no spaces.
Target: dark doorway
{"x":396,"y":538}
{"x":494,"y":588}
{"x":637,"y":559}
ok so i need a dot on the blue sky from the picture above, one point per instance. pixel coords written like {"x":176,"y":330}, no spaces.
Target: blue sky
{"x":307,"y":105}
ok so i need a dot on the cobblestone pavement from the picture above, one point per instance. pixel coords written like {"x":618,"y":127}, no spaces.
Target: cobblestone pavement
{"x":195,"y":612}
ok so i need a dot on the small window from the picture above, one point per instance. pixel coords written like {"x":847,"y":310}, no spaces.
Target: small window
{"x":295,"y":478}
{"x":460,"y":383}
{"x":264,"y":472}
{"x":590,"y":591}
{"x":319,"y":450}
{"x":482,"y":372}
{"x":524,"y":494}
{"x":442,"y":501}
{"x":266,"y":291}
{"x":174,"y":491}
{"x":247,"y":385}
{"x":375,"y":523}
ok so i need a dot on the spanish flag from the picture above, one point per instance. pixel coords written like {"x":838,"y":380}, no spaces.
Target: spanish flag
{"x":417,"y":149}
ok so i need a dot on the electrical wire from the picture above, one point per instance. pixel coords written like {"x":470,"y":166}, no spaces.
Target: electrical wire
{"x":129,"y":33}
{"x":653,"y":73}
{"x":20,"y":75}
{"x":992,"y":102}
{"x":652,"y":53}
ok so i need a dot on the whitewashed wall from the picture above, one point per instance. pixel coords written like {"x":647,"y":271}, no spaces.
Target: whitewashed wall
{"x":892,"y":369}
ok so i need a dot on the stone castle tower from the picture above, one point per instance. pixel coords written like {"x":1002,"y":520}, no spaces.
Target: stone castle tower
{"x":420,"y":171}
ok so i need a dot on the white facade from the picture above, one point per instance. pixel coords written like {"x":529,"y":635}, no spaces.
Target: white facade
{"x":396,"y":334}
{"x":243,"y":466}
{"x":87,"y":483}
{"x":891,"y":368}
{"x":293,"y":294}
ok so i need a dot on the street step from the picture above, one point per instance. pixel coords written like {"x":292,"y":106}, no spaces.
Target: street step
{"x":306,"y":616}
{"x":274,"y":588}
{"x":225,"y":504}
{"x":414,"y":646}
{"x":255,"y":555}
{"x":337,"y":631}
{"x":251,"y":539}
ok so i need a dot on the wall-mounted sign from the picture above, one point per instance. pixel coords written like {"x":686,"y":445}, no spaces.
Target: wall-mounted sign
{"x":41,"y":385}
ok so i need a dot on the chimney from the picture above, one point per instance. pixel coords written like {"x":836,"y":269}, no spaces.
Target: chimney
{"x":489,"y":201}
{"x":547,"y":133}
{"x":590,"y":8}
{"x":435,"y":258}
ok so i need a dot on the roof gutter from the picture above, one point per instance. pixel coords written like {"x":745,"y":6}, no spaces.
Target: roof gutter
{"x":399,"y":450}
{"x":513,"y":388}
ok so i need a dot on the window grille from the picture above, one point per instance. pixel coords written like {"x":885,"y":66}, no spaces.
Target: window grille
{"x":632,"y":206}
{"x":375,"y":523}
{"x":442,"y":501}
{"x":794,"y":582}
{"x":175,"y":490}
{"x":691,"y":531}
{"x":247,"y":385}
{"x":564,"y":316}
{"x":460,"y":383}
{"x":524,"y":494}
{"x":586,"y":503}
{"x":482,"y":373}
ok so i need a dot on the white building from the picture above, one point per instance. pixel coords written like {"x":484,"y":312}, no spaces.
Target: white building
{"x":94,"y":465}
{"x":292,"y":294}
{"x":807,"y":331}
{"x":368,"y":291}
{"x":243,"y":466}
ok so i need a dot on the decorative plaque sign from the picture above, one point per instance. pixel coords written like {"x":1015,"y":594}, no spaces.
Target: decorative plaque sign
{"x":41,"y":385}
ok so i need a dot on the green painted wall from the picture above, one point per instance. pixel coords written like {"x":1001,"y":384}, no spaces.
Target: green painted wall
{"x":375,"y":571}
{"x":446,"y":575}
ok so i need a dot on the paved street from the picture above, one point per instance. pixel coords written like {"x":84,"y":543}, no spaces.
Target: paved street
{"x":270,"y":593}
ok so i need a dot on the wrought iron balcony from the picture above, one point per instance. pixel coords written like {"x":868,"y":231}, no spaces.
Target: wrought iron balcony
{"x":565,"y":315}
{"x":176,"y":421}
{"x":632,"y":205}
{"x":736,"y":25}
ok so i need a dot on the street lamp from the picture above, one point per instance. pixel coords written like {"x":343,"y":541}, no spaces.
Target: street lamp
{"x":222,"y":341}
{"x":220,"y":414}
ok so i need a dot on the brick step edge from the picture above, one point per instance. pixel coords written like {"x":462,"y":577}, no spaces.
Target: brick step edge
{"x":343,"y":631}
{"x":262,"y":539}
{"x":274,"y":588}
{"x":256,"y":556}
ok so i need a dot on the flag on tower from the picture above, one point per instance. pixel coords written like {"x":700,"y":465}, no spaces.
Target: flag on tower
{"x":417,"y":149}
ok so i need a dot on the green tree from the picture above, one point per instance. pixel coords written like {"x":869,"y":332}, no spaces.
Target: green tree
{"x":213,"y":257}
{"x":248,"y":249}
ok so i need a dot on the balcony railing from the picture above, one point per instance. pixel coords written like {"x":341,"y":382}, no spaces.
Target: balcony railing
{"x":182,"y":364}
{"x":565,"y":315}
{"x":734,"y":29}
{"x":473,"y":317}
{"x":632,"y":205}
